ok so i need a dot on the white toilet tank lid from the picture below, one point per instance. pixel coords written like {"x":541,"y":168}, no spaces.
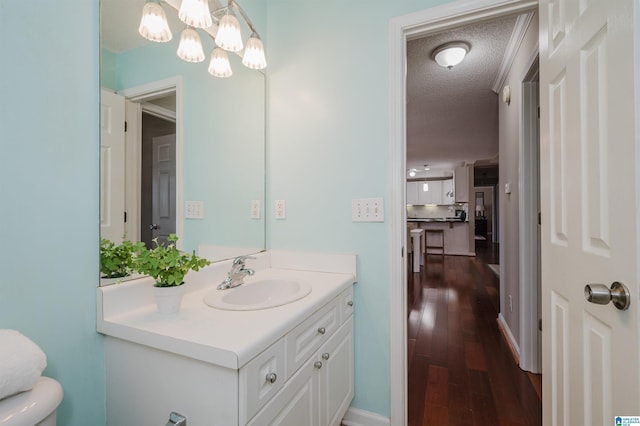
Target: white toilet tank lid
{"x":32,"y":406}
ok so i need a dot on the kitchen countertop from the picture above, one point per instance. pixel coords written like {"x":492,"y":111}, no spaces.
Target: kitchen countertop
{"x":439,"y":219}
{"x":227,"y":338}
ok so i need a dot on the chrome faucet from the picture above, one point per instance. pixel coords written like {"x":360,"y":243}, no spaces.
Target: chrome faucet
{"x":235,"y":276}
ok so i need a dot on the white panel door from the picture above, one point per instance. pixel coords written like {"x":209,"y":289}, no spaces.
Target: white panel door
{"x":589,"y":188}
{"x":112,"y":166}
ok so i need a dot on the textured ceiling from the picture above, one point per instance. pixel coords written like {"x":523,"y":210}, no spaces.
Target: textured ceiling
{"x":452,"y":115}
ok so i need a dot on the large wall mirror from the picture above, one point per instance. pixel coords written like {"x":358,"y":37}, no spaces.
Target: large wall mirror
{"x":192,"y":158}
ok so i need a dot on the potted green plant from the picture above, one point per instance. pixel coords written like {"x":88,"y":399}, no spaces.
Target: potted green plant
{"x":168,"y":266}
{"x":117,"y":260}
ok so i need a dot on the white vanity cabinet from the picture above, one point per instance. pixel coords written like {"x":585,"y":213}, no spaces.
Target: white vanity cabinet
{"x":320,"y":380}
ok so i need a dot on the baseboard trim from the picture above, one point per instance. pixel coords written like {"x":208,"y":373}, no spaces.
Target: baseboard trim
{"x":355,"y":417}
{"x":508,"y":336}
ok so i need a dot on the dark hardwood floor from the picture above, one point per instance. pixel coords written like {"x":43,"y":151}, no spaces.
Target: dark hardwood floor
{"x":461,"y":371}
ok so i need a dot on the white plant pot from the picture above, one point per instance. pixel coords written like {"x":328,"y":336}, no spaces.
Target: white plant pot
{"x":168,"y":299}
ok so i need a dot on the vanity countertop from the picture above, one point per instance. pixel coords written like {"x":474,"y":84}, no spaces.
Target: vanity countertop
{"x":227,"y":338}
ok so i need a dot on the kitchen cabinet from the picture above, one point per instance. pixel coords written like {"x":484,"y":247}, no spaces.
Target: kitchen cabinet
{"x":433,"y":192}
{"x":447,"y":192}
{"x":461,"y":182}
{"x":437,"y":193}
{"x":412,"y":192}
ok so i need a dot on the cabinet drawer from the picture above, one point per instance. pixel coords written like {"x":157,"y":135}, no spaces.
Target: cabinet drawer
{"x":346,"y":304}
{"x":262,"y":378}
{"x":306,"y":338}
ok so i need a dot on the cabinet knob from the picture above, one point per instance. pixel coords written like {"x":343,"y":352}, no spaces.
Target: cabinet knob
{"x":325,"y":356}
{"x":350,"y":303}
{"x":318,"y":364}
{"x":322,"y":330}
{"x":272,"y":377}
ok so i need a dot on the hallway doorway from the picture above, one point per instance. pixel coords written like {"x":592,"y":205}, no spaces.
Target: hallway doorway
{"x":403,"y":29}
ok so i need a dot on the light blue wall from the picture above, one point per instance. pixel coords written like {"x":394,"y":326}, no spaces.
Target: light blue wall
{"x":329,"y":143}
{"x":49,"y":200}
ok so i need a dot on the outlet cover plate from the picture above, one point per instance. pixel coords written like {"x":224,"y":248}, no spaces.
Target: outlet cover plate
{"x":194,"y":210}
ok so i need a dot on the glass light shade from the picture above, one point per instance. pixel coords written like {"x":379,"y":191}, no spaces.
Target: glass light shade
{"x":190,"y":48}
{"x":195,"y":13}
{"x":254,"y":54}
{"x":228,"y":36}
{"x":450,"y":54}
{"x":219,"y":65}
{"x":153,"y":24}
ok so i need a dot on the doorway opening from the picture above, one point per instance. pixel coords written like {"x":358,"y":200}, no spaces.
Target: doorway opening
{"x":154,"y":161}
{"x":402,"y":29}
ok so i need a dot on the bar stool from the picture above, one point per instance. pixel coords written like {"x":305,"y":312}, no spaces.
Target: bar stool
{"x":430,"y":245}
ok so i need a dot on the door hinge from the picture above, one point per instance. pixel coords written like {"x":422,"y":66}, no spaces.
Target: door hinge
{"x":540,"y":324}
{"x":125,"y":217}
{"x":125,"y":126}
{"x":402,"y":252}
{"x":539,"y":218}
{"x":538,"y":112}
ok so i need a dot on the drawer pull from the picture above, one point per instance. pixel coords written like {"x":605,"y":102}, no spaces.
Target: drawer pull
{"x":272,"y":377}
{"x":350,"y":303}
{"x":318,"y":364}
{"x":322,"y":330}
{"x":325,"y":356}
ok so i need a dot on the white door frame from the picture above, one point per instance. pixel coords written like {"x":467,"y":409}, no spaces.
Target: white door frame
{"x":403,"y":28}
{"x":529,"y":157}
{"x":149,"y":91}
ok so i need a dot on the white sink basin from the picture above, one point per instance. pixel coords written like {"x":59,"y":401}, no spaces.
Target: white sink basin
{"x":260,"y":294}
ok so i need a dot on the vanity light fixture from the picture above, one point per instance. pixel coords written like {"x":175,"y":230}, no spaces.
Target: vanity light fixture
{"x":219,"y":65}
{"x":222,"y":22}
{"x":451,"y":54}
{"x":195,"y":13}
{"x":228,"y":36}
{"x":153,"y":24}
{"x":190,"y":48}
{"x":254,"y":53}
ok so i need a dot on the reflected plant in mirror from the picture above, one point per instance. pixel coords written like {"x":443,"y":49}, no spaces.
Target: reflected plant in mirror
{"x":192,"y":158}
{"x":118,"y":260}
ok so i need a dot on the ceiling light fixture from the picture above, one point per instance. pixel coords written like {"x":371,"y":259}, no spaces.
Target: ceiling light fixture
{"x":451,"y":54}
{"x":221,"y":24}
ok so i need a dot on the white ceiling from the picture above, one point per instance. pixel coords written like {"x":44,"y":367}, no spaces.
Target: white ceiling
{"x":452,"y":115}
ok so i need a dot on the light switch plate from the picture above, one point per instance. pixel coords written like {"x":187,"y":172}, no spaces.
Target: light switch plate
{"x":281,"y":210}
{"x":255,"y":209}
{"x":367,"y":210}
{"x":194,"y":210}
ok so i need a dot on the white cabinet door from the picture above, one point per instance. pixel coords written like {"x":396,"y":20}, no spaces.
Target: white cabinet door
{"x":295,"y":405}
{"x":412,"y":193}
{"x":461,"y":178}
{"x":334,"y":363}
{"x":447,"y":192}
{"x":430,"y":192}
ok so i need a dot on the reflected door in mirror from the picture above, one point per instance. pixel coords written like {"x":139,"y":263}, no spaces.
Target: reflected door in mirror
{"x":112,"y":176}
